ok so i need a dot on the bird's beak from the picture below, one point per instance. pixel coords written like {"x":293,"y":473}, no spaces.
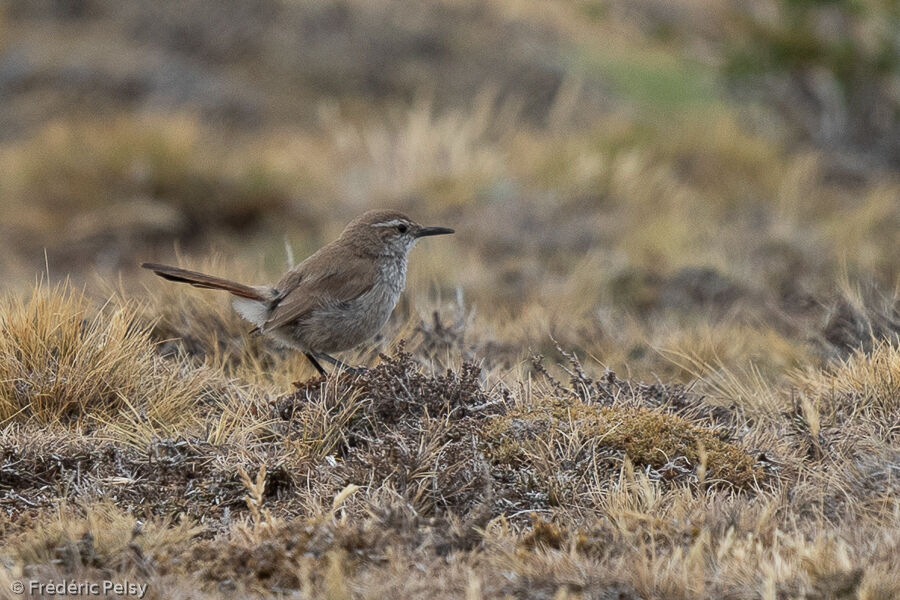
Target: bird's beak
{"x":424,"y":231}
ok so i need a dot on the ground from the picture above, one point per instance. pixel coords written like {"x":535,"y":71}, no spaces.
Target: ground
{"x":660,"y":358}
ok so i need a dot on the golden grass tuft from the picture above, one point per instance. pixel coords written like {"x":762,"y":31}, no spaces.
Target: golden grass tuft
{"x":64,"y":359}
{"x":863,"y":388}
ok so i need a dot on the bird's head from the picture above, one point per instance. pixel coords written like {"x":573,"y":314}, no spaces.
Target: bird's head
{"x":388,"y":232}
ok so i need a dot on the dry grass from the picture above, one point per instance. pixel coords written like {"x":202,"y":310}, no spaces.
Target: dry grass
{"x":658,"y":360}
{"x":591,"y":486}
{"x":62,"y":358}
{"x":864,"y":387}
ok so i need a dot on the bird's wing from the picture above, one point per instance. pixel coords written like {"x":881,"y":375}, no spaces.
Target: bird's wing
{"x":321,"y":280}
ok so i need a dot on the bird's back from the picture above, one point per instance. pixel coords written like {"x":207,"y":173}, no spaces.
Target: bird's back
{"x":337,"y":273}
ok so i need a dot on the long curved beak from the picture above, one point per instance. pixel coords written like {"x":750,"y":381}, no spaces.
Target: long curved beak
{"x":424,"y":231}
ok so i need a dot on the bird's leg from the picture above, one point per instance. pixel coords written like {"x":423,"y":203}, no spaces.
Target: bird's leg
{"x":315,"y":363}
{"x":341,"y":365}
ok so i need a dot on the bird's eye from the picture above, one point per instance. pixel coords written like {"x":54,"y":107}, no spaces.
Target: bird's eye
{"x":402,"y":227}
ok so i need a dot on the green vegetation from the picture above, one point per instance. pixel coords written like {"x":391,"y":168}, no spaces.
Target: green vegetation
{"x":833,"y":65}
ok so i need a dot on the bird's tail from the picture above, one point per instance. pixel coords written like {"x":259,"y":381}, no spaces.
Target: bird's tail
{"x":201,"y":280}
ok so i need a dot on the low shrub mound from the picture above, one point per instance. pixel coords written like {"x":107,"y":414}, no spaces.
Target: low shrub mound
{"x":396,"y":425}
{"x":446,"y":444}
{"x":397,"y":390}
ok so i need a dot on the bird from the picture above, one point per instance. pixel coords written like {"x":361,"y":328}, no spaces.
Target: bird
{"x":336,"y":299}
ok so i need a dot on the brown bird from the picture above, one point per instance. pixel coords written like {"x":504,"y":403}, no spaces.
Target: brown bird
{"x":334,"y":300}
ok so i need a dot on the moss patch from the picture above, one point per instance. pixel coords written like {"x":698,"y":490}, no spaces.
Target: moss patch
{"x":649,"y":438}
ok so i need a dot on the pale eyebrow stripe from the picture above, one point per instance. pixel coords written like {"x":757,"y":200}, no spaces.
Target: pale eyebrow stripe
{"x":392,"y":223}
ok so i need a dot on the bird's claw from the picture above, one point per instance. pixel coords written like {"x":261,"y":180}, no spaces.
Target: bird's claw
{"x":342,"y":368}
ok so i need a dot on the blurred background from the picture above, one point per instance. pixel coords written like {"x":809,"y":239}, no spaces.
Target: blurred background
{"x":624,"y":175}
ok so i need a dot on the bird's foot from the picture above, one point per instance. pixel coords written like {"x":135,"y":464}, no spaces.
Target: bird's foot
{"x":338,"y":365}
{"x":354,"y":370}
{"x":342,"y":366}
